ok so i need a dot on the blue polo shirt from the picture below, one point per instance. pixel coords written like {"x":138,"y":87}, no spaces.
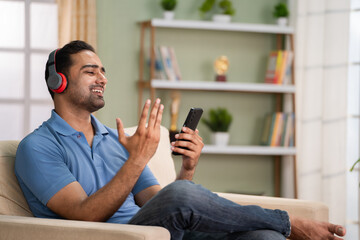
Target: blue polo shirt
{"x":55,"y":155}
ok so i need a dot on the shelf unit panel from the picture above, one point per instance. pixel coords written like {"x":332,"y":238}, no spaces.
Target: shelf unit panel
{"x":222,"y":86}
{"x":250,"y":150}
{"x":209,"y":25}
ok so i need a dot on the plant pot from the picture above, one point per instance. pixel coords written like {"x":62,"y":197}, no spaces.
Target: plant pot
{"x":220,"y":138}
{"x":282,"y":21}
{"x":221,"y":18}
{"x":169,"y":15}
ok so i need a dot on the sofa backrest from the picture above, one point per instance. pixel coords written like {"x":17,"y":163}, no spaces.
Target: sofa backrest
{"x":12,"y":200}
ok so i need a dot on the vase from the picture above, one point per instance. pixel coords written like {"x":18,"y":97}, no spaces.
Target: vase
{"x":282,"y":21}
{"x":169,"y":15}
{"x":221,"y":18}
{"x":220,"y":138}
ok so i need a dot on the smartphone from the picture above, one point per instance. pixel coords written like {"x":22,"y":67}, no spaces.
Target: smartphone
{"x":191,"y":122}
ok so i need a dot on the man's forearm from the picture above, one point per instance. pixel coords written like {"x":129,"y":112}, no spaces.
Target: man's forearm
{"x":101,"y":205}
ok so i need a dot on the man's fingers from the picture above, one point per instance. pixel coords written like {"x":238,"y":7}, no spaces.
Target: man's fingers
{"x":120,"y":129}
{"x":338,"y":230}
{"x":154,"y":113}
{"x":144,"y":113}
{"x":159,"y":116}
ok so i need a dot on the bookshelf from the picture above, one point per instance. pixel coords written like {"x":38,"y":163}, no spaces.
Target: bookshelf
{"x":221,"y":86}
{"x":250,"y":150}
{"x":153,"y":84}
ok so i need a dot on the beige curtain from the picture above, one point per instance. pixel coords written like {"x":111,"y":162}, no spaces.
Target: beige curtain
{"x":77,"y":21}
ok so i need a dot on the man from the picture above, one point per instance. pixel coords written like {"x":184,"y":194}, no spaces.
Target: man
{"x":74,"y":167}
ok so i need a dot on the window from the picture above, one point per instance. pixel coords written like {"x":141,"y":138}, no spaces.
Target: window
{"x":28,"y":33}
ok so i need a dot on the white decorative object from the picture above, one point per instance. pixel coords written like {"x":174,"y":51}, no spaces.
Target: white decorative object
{"x":221,"y":18}
{"x":282,"y":21}
{"x":169,"y":15}
{"x":220,"y":138}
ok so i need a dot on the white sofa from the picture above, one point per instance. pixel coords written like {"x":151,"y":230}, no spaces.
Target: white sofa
{"x":17,"y":221}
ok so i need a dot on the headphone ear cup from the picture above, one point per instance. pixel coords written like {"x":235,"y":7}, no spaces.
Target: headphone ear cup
{"x":57,"y":82}
{"x":63,"y":85}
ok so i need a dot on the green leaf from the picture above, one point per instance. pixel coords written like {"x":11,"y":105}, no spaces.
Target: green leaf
{"x":281,"y":10}
{"x":168,"y":5}
{"x":207,"y":6}
{"x":219,"y":120}
{"x":352,"y":168}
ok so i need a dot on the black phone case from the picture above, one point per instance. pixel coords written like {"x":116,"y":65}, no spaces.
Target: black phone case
{"x":191,"y":122}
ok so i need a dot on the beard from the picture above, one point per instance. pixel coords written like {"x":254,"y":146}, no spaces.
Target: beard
{"x":84,"y":98}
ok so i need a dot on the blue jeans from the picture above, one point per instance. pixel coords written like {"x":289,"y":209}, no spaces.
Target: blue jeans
{"x":190,"y":211}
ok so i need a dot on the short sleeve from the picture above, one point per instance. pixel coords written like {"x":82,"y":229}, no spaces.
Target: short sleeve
{"x":40,"y":164}
{"x":146,"y":179}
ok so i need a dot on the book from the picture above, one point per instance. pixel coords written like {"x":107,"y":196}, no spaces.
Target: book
{"x":285,"y":128}
{"x":159,"y":68}
{"x":288,"y":72}
{"x":271,"y":67}
{"x":282,"y":67}
{"x":167,"y":63}
{"x":280,"y":129}
{"x":175,"y":64}
{"x":266,"y":129}
{"x":289,"y":131}
{"x":278,"y":67}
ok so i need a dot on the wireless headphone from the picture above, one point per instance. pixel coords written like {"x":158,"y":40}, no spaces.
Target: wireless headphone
{"x":56,"y":81}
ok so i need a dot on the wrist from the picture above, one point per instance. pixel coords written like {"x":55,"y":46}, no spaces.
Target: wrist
{"x":186,"y":174}
{"x":138,"y":161}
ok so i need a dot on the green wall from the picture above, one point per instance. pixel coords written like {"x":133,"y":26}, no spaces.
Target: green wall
{"x":118,"y":48}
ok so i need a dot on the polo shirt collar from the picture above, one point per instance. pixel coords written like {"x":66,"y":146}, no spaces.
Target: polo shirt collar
{"x":62,"y":127}
{"x":99,"y":127}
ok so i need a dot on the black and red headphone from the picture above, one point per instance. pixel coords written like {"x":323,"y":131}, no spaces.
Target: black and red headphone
{"x":56,"y":81}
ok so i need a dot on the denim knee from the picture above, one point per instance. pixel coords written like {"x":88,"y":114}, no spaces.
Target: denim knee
{"x":181,"y":195}
{"x":178,"y":189}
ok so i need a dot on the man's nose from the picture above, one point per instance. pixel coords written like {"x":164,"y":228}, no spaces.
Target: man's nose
{"x":101,"y":78}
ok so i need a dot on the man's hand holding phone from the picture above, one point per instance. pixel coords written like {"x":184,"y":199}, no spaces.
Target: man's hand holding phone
{"x":189,"y":144}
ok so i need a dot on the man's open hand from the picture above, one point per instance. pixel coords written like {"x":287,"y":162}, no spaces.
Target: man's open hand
{"x":143,"y":144}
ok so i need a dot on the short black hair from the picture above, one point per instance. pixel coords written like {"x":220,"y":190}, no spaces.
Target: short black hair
{"x":63,"y":58}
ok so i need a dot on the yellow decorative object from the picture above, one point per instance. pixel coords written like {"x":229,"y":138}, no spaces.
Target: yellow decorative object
{"x":221,"y":66}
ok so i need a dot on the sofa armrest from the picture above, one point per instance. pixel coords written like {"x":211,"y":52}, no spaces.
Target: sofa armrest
{"x":300,"y":208}
{"x":15,"y":227}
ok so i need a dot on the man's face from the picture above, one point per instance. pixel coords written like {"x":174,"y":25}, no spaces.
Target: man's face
{"x":87,"y":81}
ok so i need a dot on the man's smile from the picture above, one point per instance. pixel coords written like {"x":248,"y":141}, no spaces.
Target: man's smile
{"x":98,"y":91}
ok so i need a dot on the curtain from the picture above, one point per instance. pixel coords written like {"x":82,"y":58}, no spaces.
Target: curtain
{"x":327,"y":79}
{"x":77,"y":21}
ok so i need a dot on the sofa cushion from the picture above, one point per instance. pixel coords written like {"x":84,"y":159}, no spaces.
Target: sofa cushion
{"x":12,"y":200}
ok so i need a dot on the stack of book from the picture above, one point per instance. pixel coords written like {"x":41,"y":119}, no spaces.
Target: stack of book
{"x":278,"y":130}
{"x":166,"y":64}
{"x":279,"y":67}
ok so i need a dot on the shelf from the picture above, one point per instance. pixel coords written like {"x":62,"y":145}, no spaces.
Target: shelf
{"x":249,"y":150}
{"x":209,"y":25}
{"x":222,"y":86}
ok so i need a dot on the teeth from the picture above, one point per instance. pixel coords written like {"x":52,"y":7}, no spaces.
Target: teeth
{"x":97,"y":90}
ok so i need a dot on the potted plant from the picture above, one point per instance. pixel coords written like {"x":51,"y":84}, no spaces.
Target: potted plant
{"x":281,"y":13}
{"x":219,"y":122}
{"x":225,"y":6}
{"x":168,"y":7}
